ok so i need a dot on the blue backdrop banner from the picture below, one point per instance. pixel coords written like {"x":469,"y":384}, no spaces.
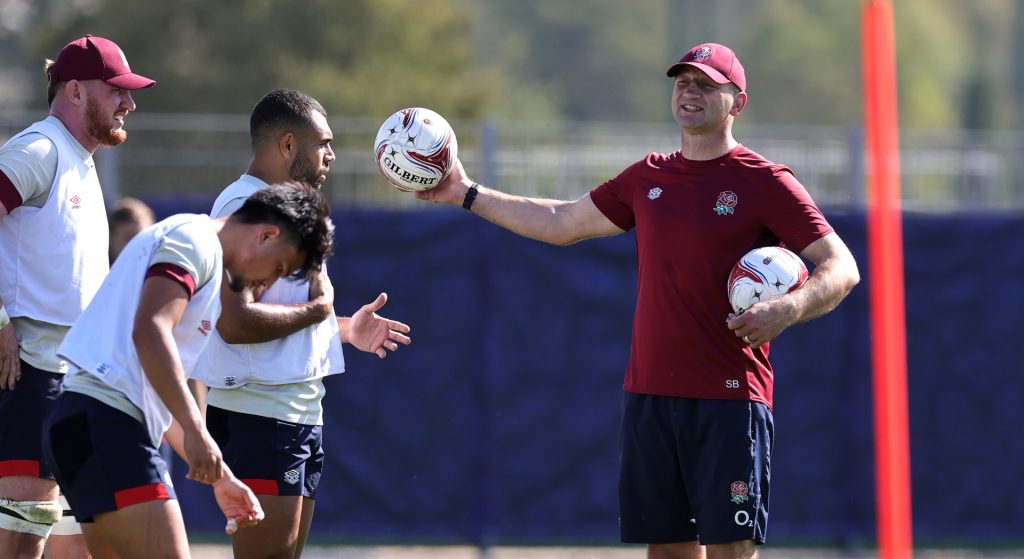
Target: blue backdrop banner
{"x":499,"y":424}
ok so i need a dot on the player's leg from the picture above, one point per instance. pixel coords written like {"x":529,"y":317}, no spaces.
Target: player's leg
{"x":66,"y":547}
{"x":145,"y":530}
{"x":281,"y":462}
{"x":654,"y":507}
{"x":307,"y":520}
{"x":746,"y":549}
{"x":312,"y":469}
{"x":277,"y":535}
{"x":729,"y":469}
{"x":26,"y":484}
{"x":66,"y":540}
{"x":683,"y":550}
{"x":114,"y":478}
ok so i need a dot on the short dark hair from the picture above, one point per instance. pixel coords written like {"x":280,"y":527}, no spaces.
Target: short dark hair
{"x":280,"y":110}
{"x":130,"y":210}
{"x":301,"y":212}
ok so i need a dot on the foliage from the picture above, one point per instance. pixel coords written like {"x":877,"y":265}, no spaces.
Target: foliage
{"x":358,"y":57}
{"x":531,"y":60}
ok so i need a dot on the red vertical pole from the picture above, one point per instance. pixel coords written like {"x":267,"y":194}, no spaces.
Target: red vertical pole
{"x":885,"y":246}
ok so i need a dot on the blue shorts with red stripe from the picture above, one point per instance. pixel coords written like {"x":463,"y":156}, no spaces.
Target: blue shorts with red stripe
{"x":694,"y":470}
{"x":22,"y":411}
{"x":272,"y":457}
{"x":102,"y":457}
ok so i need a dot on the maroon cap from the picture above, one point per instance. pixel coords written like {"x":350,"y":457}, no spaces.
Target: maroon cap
{"x":717,"y":61}
{"x":96,"y":58}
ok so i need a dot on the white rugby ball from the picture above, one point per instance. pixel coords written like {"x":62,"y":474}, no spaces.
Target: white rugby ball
{"x":415,"y":149}
{"x":764,"y":274}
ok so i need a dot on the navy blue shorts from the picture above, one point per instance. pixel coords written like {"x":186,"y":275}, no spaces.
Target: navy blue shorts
{"x":694,"y":470}
{"x":272,"y":457}
{"x":102,"y":457}
{"x":22,"y":411}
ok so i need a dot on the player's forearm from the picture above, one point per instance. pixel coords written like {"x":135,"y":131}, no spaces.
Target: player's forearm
{"x":536,"y":218}
{"x":255,"y":322}
{"x":830,"y":283}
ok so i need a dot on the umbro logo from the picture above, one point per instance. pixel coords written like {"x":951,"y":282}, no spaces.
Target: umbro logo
{"x":291,"y":476}
{"x":654,"y":193}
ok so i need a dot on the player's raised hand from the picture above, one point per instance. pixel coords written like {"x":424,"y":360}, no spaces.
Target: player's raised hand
{"x":205,"y":463}
{"x":372,"y":333}
{"x":237,"y":502}
{"x":10,"y":368}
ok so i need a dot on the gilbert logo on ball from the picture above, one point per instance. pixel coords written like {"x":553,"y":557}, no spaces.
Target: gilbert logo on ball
{"x":415,"y":149}
{"x":764,"y":274}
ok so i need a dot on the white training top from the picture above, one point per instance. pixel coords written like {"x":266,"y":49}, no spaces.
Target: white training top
{"x":279,"y":378}
{"x":53,"y":248}
{"x":100,"y":344}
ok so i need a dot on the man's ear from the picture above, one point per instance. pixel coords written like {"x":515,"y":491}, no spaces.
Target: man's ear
{"x":739,"y":102}
{"x":75,"y":91}
{"x":269,"y":232}
{"x":286,"y":144}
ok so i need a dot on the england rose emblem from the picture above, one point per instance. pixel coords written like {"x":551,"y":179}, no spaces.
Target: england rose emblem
{"x":740,"y":492}
{"x":726,"y":203}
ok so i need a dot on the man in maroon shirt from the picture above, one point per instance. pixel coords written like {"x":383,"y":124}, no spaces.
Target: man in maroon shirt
{"x":697,"y":427}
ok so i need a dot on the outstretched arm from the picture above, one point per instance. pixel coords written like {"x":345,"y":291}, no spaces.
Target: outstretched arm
{"x":834,"y":276}
{"x":372,"y":333}
{"x":552,"y":221}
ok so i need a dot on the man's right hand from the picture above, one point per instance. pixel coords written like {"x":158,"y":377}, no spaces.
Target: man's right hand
{"x":10,"y":367}
{"x":321,"y":291}
{"x":205,"y":463}
{"x":237,"y":502}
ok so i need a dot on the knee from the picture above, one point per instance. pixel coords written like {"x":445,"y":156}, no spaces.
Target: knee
{"x":29,"y":517}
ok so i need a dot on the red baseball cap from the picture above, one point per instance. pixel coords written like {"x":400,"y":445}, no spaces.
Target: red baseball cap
{"x":96,"y":58}
{"x":719,"y":62}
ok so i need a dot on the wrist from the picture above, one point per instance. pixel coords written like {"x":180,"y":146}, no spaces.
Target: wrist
{"x":227,"y":476}
{"x":470,"y":197}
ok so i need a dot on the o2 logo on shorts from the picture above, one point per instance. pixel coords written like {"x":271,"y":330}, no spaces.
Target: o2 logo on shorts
{"x":732,"y":383}
{"x":742,"y":518}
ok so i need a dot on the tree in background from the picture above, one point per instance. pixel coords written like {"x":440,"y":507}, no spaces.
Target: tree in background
{"x":359,"y":57}
{"x":960,"y":63}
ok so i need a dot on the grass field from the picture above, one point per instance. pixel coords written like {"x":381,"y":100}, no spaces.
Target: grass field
{"x":212,"y":551}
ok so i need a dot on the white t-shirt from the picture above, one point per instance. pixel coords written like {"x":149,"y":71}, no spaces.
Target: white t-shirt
{"x":282,"y":378}
{"x":30,"y":161}
{"x":100,"y":344}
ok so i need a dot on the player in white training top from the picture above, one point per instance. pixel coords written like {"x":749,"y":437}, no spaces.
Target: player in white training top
{"x":264,"y":405}
{"x":53,"y":257}
{"x":132,"y":349}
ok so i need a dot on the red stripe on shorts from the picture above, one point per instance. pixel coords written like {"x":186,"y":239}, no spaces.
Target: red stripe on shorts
{"x":261,"y":486}
{"x":142,"y":494}
{"x":19,"y":468}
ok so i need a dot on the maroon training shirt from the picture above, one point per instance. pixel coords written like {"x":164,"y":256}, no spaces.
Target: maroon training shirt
{"x":694,"y":220}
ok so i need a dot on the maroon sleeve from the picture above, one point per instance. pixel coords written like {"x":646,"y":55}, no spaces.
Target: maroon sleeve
{"x":614,"y":198}
{"x":791,"y":213}
{"x":176,"y":273}
{"x":9,"y":196}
